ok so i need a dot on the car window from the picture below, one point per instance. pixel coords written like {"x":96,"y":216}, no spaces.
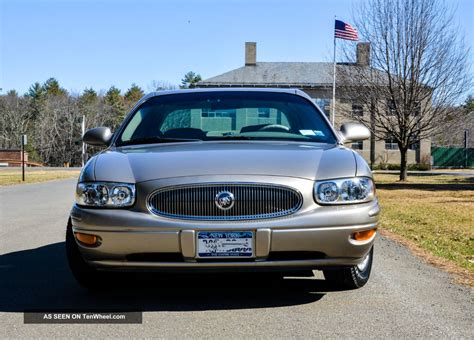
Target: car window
{"x":132,"y":125}
{"x":218,"y":115}
{"x":220,"y":122}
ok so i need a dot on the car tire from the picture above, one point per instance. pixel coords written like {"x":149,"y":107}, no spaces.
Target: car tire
{"x":84,"y":274}
{"x":352,"y":277}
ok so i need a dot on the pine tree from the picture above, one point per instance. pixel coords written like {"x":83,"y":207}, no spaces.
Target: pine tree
{"x":115,"y":108}
{"x":36,"y":91}
{"x":190,"y":80}
{"x":37,"y":95}
{"x":88,"y":103}
{"x":133,"y":94}
{"x":52,"y":88}
{"x":89,"y":95}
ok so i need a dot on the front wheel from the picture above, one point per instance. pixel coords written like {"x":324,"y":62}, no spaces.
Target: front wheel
{"x":351,"y":277}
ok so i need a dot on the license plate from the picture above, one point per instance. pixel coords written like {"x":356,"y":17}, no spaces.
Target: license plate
{"x":225,"y":244}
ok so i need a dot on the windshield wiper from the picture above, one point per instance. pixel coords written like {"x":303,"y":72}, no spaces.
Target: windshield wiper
{"x":153,"y":140}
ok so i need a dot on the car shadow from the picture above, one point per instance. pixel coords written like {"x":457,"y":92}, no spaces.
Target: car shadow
{"x":39,"y":280}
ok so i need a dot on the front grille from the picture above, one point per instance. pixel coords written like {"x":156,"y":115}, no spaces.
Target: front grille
{"x":251,"y":201}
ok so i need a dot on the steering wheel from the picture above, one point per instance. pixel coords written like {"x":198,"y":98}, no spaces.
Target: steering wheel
{"x":274,"y":127}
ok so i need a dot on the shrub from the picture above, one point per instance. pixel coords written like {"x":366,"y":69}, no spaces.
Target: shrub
{"x":396,"y":167}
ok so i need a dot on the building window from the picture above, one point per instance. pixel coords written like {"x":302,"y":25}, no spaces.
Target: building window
{"x":324,"y":104}
{"x":357,"y":110}
{"x":391,"y":110}
{"x":218,"y":113}
{"x":391,"y":144}
{"x":358,"y":145}
{"x":415,"y":144}
{"x":263,"y":112}
{"x":207,"y":113}
{"x":417,"y":109}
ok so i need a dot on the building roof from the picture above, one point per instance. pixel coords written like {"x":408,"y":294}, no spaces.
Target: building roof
{"x":284,"y":74}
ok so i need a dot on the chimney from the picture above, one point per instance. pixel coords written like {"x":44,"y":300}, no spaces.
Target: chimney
{"x":250,"y":53}
{"x":363,"y":54}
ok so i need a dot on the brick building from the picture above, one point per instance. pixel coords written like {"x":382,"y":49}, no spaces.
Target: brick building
{"x":12,"y":157}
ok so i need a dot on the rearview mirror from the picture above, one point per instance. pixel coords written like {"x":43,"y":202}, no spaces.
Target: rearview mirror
{"x":99,"y":136}
{"x":353,"y":132}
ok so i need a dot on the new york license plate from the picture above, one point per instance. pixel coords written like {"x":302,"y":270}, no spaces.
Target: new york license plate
{"x":225,"y":244}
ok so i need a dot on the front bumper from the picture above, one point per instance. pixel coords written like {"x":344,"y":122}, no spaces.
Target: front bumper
{"x":315,"y":236}
{"x":309,"y":240}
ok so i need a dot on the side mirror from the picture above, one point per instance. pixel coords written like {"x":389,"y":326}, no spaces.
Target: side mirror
{"x":99,"y":136}
{"x":353,"y":132}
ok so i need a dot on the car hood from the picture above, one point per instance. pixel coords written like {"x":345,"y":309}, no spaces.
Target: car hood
{"x":150,"y":162}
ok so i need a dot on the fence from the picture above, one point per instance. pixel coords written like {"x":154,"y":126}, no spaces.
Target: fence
{"x":452,"y":157}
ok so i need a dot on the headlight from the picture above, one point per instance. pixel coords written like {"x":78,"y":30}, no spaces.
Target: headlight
{"x":103,"y":194}
{"x":344,"y":191}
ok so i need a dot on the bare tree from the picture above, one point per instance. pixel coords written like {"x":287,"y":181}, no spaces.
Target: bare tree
{"x":15,"y":117}
{"x":160,"y":85}
{"x":57,"y":131}
{"x":419,"y":69}
{"x":461,"y":119}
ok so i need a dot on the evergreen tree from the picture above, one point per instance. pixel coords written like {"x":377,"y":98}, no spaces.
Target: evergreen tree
{"x":190,"y":80}
{"x":88,"y":103}
{"x":36,"y":91}
{"x":89,"y":96}
{"x":133,"y":94}
{"x":37,"y":95}
{"x":113,"y":96}
{"x":114,"y":106}
{"x":52,"y":88}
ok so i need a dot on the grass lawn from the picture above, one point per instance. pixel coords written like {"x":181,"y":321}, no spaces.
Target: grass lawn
{"x":8,"y":177}
{"x":435,"y":213}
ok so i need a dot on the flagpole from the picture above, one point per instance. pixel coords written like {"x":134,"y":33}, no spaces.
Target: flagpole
{"x":334,"y":82}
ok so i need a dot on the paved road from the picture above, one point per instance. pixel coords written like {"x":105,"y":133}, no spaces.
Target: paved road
{"x":405,"y":297}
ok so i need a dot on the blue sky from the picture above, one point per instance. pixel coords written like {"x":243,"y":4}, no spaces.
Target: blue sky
{"x":102,"y":43}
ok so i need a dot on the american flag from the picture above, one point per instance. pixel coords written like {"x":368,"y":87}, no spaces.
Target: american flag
{"x":345,"y":31}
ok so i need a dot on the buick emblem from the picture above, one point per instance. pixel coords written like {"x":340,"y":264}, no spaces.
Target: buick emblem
{"x":224,"y":200}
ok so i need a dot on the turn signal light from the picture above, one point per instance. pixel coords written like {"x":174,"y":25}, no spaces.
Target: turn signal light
{"x":90,"y":240}
{"x":364,"y":235}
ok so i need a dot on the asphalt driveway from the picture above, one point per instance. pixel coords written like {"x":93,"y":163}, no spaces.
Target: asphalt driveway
{"x":405,"y":297}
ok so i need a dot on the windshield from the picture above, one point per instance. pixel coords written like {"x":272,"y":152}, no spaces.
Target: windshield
{"x":225,"y":115}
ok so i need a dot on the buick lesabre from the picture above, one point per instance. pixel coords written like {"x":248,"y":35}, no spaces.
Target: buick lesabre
{"x":224,"y":180}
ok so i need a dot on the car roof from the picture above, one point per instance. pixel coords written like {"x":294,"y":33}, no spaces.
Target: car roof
{"x":226,"y":89}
